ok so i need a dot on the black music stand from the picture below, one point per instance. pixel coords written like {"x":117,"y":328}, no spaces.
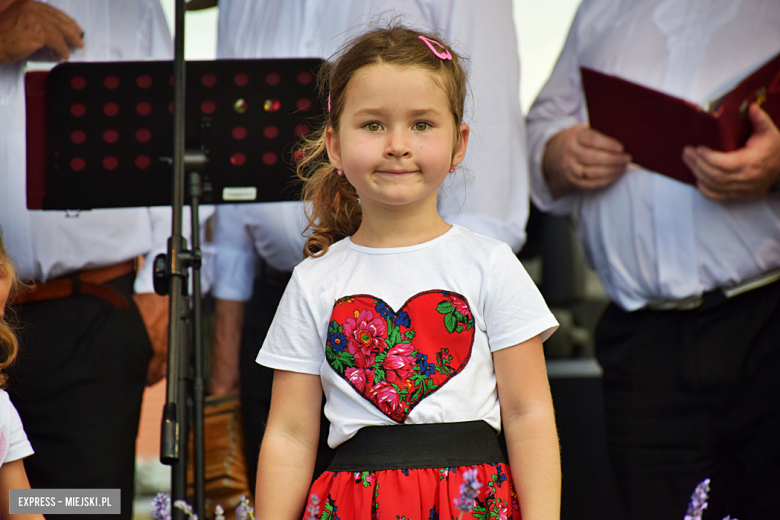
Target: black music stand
{"x":99,"y":136}
{"x":109,"y":127}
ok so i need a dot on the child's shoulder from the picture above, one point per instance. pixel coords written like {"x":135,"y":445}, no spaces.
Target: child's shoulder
{"x":466,"y":235}
{"x":481,"y":247}
{"x":318,"y":266}
{"x":5,"y":399}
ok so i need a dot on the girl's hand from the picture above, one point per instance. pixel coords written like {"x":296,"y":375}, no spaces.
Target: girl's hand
{"x":13,"y":476}
{"x":580,"y":158}
{"x":529,"y":426}
{"x":289,"y":447}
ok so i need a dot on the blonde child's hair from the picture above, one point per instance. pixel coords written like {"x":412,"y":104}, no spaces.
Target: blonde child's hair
{"x":335,"y":209}
{"x":9,"y":345}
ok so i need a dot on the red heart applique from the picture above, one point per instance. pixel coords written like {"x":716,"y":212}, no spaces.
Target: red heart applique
{"x":397,"y":359}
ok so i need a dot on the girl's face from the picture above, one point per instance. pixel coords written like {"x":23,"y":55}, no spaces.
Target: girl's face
{"x":396,"y":137}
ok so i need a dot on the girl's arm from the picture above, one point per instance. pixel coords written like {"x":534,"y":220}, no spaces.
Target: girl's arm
{"x":529,"y":426}
{"x":289,"y":447}
{"x":13,"y":476}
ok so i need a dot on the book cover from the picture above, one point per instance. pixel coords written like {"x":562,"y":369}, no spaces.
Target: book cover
{"x":655,"y":127}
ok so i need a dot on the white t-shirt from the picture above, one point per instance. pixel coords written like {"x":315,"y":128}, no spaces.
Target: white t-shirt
{"x":13,"y":441}
{"x":405,"y":335}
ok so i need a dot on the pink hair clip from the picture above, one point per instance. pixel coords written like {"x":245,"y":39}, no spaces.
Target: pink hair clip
{"x":328,"y":102}
{"x":445,"y":54}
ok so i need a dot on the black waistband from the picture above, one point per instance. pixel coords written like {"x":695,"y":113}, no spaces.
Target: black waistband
{"x":414,"y":446}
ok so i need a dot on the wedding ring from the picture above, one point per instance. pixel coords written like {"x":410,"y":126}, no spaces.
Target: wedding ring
{"x":584,"y":171}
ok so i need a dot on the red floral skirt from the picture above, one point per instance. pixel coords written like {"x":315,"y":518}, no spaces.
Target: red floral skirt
{"x":483,"y":492}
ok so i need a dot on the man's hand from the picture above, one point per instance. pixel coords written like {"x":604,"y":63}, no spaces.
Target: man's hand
{"x":747,"y":172}
{"x":154,"y":312}
{"x":580,"y":158}
{"x":228,"y":325}
{"x":27,"y":26}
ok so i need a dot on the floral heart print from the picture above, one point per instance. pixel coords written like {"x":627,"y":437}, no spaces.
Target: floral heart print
{"x":397,"y":359}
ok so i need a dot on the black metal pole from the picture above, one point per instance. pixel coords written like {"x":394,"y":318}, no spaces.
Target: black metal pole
{"x":174,"y":413}
{"x":197,"y":345}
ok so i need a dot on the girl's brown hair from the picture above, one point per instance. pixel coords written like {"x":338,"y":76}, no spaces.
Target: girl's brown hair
{"x":8,"y":342}
{"x":335,"y":210}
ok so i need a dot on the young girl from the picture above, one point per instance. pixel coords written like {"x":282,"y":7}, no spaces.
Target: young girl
{"x":14,"y":445}
{"x":412,"y":326}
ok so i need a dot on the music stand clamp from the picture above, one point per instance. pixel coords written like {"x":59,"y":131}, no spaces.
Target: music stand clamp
{"x":107,"y":145}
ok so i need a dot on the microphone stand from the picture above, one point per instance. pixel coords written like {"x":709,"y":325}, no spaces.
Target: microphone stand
{"x":173,"y":269}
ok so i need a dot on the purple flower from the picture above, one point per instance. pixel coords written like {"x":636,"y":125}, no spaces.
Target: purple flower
{"x":469,"y":491}
{"x":243,"y":510}
{"x":160,"y":506}
{"x":184,"y":506}
{"x":698,"y":502}
{"x":313,"y":509}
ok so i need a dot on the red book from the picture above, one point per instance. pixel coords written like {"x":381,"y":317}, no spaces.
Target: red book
{"x":655,"y":127}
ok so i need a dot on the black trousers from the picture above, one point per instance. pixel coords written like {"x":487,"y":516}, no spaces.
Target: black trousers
{"x":77,"y":383}
{"x":691,"y":395}
{"x":257,"y":380}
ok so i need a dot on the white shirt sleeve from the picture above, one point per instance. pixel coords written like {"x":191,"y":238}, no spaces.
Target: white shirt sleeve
{"x":514,"y":309}
{"x":277,"y":229}
{"x":489,"y":193}
{"x":293,"y":342}
{"x":235,"y":259}
{"x":559,"y":105}
{"x":154,"y":36}
{"x":17,"y":446}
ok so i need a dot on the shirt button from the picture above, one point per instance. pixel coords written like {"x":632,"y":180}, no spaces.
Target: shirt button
{"x":4,"y":100}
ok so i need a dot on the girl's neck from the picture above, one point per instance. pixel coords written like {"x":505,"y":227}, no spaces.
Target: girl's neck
{"x":398,"y":229}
